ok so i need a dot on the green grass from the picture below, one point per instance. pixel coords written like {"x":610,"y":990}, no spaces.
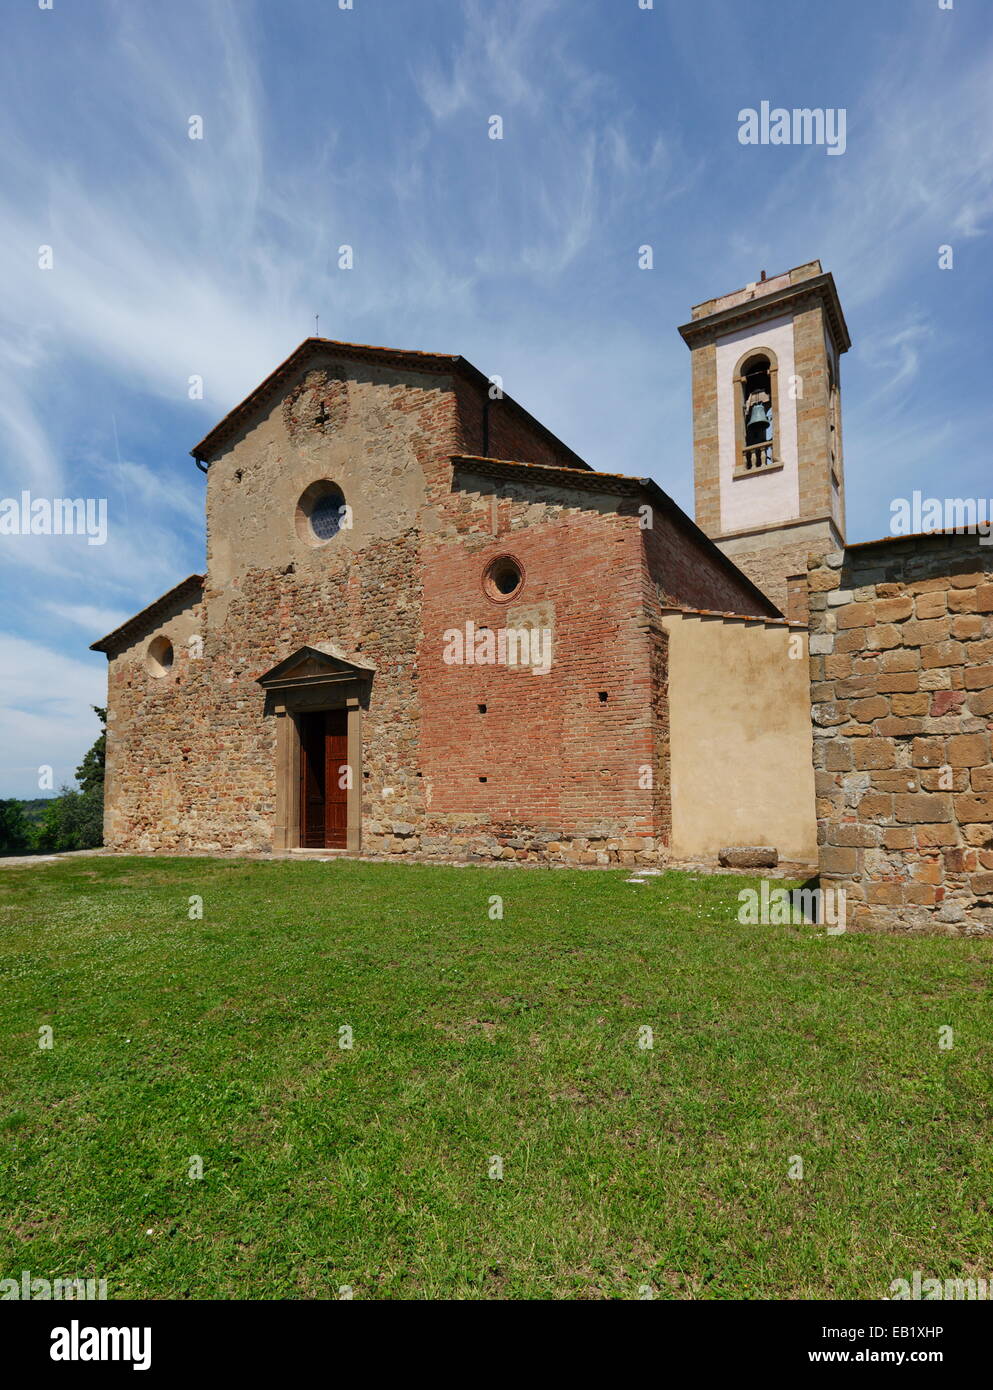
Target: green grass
{"x":474,"y":1037}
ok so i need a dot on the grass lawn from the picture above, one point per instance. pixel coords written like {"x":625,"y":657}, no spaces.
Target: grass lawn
{"x":622,"y":1166}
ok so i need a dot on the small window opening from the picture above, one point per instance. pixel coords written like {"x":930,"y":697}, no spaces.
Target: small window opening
{"x":159,"y":657}
{"x":482,"y":779}
{"x":603,"y":697}
{"x":757,"y":414}
{"x":321,"y":512}
{"x":325,"y":518}
{"x":503,"y":578}
{"x":482,"y":709}
{"x":758,"y":404}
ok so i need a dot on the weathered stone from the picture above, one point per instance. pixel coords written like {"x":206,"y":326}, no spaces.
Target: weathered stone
{"x":974,"y":807}
{"x":749,"y":856}
{"x":968,"y":750}
{"x":918,"y":807}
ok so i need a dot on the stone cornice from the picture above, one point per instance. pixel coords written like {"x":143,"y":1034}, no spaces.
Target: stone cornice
{"x":765,"y":305}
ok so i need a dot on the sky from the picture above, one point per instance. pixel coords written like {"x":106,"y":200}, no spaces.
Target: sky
{"x":174,"y":258}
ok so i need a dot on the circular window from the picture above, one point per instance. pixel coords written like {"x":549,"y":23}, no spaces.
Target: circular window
{"x":325,"y":519}
{"x":320,"y":513}
{"x":503,"y":579}
{"x":160,"y":656}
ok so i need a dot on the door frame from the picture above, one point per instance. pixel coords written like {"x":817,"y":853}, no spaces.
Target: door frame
{"x":329,"y":772}
{"x":287,"y":830}
{"x":316,"y":677}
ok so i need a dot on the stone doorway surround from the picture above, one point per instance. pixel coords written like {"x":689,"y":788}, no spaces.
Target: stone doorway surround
{"x":317,"y":676}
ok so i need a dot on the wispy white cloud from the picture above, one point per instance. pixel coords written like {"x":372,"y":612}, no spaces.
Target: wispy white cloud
{"x":895,"y":354}
{"x":93,"y":620}
{"x":176,"y":258}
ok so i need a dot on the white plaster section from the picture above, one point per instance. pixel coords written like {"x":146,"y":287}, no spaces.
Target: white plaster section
{"x":766,"y":500}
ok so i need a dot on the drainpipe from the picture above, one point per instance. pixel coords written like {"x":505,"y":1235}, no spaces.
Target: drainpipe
{"x":200,"y":465}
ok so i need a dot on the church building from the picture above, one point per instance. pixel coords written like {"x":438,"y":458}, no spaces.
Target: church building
{"x":427,"y":627}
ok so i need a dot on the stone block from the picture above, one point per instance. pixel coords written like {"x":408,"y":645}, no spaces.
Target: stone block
{"x":749,"y":857}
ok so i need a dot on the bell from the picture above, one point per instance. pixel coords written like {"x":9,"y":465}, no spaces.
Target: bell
{"x":758,"y":415}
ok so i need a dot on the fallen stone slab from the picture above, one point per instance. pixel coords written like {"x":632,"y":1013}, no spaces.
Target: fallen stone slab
{"x":749,"y":856}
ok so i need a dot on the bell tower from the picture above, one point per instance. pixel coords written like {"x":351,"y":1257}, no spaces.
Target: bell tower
{"x":767,"y":452}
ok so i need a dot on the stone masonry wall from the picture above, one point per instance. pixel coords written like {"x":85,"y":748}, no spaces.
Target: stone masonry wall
{"x":901,"y":663}
{"x":192,"y":754}
{"x":770,"y":567}
{"x":195,"y":759}
{"x":150,"y":735}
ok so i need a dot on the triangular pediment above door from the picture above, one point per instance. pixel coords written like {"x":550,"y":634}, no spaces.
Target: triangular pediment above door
{"x":313,"y":664}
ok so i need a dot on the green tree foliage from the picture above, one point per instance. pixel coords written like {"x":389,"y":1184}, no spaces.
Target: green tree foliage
{"x":90,"y":772}
{"x":15,"y":829}
{"x":71,"y":820}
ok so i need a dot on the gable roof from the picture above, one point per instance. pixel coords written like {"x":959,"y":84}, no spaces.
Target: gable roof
{"x":411,"y":359}
{"x":191,"y":586}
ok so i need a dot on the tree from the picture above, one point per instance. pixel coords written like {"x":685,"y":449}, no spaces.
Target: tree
{"x":74,"y":819}
{"x":15,"y":828}
{"x":90,"y":772}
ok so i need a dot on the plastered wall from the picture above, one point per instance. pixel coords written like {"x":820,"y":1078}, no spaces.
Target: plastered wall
{"x":741,"y":767}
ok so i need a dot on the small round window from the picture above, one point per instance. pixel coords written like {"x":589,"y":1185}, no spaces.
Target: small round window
{"x":325,"y":519}
{"x":503,"y":579}
{"x":160,"y":656}
{"x":321,"y":513}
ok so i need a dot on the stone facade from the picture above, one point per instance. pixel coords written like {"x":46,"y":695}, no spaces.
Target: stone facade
{"x":773,"y":559}
{"x":456,"y":759}
{"x":901,"y":667}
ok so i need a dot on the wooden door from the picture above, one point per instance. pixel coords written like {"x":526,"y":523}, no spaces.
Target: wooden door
{"x":336,"y":768}
{"x":323,"y":797}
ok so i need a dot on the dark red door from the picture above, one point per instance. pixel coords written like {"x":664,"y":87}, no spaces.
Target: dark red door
{"x":336,"y":779}
{"x":324,"y":779}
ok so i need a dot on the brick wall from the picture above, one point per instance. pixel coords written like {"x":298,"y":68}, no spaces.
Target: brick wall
{"x":561,"y":764}
{"x":684,"y":572}
{"x":193,"y":755}
{"x":511,"y":433}
{"x":901,"y":662}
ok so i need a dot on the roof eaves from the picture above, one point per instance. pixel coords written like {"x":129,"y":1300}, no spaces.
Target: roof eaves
{"x":821,"y":285}
{"x":626,"y":485}
{"x":140,"y":619}
{"x":913,"y":536}
{"x":431,"y":361}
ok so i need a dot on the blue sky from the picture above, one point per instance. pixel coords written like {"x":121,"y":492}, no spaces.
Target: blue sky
{"x":174,"y":257}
